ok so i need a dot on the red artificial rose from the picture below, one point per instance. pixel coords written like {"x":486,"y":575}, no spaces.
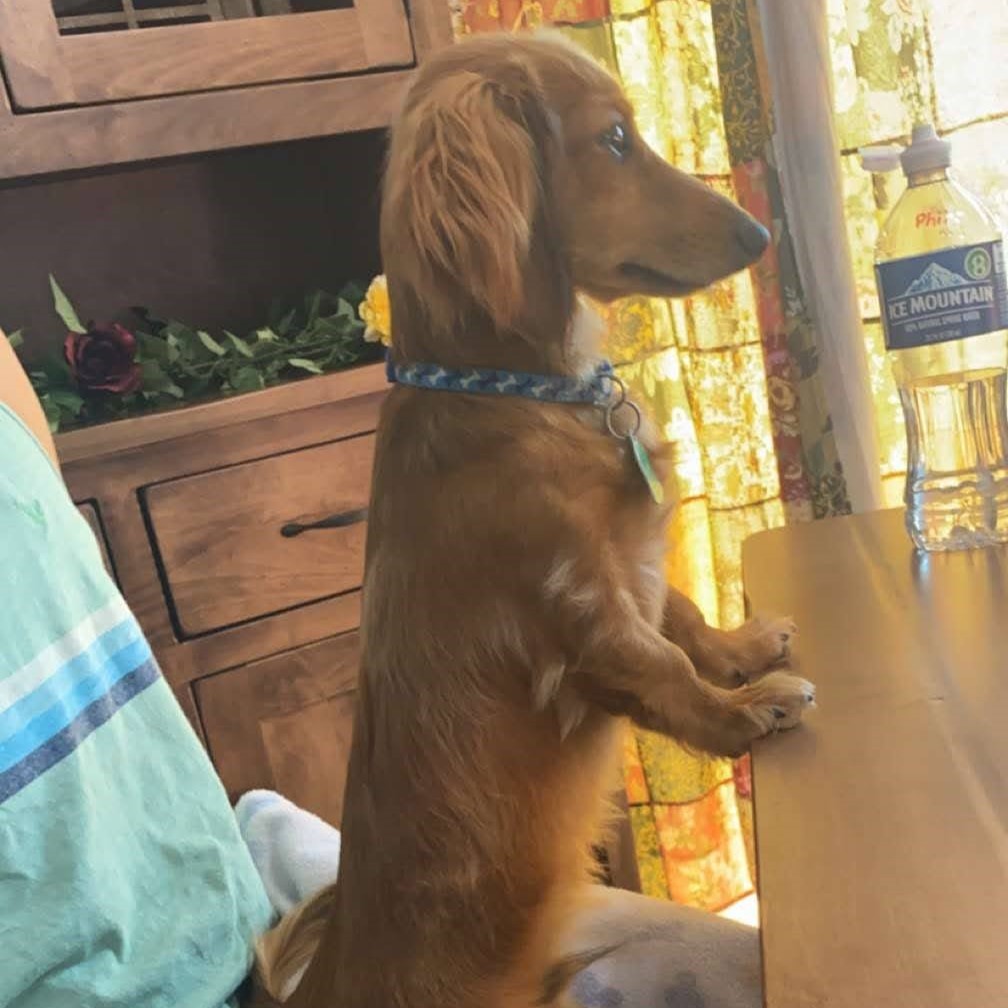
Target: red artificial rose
{"x":101,"y":359}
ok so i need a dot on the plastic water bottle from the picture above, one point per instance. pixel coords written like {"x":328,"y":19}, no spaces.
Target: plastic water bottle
{"x":944,"y":301}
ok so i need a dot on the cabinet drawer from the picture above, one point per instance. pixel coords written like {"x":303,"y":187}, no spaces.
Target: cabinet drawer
{"x":219,"y":543}
{"x":285,"y":723}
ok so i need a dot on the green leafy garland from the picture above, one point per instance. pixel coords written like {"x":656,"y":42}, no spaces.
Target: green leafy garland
{"x":107,"y":372}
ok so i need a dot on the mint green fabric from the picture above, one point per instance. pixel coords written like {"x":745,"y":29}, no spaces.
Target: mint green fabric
{"x":123,"y":878}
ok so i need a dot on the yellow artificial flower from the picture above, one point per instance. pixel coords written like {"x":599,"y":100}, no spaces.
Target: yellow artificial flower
{"x":375,"y":312}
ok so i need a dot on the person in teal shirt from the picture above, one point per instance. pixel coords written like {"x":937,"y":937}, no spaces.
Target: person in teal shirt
{"x":123,"y":878}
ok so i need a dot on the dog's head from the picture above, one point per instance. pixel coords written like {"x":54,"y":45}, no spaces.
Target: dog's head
{"x":516,"y":170}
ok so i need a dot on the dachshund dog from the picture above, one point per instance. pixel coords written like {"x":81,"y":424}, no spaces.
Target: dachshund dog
{"x":515,"y":609}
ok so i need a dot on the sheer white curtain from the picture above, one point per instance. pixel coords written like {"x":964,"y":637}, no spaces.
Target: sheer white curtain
{"x":806,"y":149}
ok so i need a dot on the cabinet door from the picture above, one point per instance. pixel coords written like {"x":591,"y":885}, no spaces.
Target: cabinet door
{"x":285,"y":723}
{"x":83,"y":52}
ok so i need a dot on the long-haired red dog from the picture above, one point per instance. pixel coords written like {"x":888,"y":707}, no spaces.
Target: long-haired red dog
{"x":515,"y":607}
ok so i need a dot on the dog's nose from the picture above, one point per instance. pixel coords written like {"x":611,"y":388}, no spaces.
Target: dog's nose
{"x":752,"y":236}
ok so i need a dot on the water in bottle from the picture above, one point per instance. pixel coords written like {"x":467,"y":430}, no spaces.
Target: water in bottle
{"x":943,"y":297}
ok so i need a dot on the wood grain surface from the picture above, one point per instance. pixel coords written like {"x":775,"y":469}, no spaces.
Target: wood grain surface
{"x":47,"y":69}
{"x":882,"y":822}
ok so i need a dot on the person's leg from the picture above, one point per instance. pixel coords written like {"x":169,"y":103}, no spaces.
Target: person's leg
{"x":662,"y":956}
{"x":651,"y":953}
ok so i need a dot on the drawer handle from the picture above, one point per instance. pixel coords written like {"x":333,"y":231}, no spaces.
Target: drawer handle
{"x":341,"y":520}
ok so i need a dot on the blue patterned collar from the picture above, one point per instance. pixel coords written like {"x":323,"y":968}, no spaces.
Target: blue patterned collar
{"x":595,"y":389}
{"x":601,"y":389}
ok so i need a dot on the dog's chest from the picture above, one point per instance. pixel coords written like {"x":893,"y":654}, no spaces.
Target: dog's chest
{"x":647,"y":575}
{"x":644,"y":521}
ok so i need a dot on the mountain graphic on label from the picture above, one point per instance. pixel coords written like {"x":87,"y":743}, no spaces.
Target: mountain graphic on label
{"x":935,"y":277}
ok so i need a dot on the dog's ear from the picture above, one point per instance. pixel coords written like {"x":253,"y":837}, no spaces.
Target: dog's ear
{"x":466,"y":177}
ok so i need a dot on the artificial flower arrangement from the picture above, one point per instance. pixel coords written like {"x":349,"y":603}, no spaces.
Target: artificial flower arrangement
{"x":107,"y":371}
{"x":376,"y":312}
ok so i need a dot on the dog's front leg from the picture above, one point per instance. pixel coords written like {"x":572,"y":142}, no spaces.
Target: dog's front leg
{"x":627,"y":667}
{"x":725,"y":657}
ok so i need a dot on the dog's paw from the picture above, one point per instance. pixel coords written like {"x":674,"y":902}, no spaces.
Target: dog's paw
{"x":777,"y":702}
{"x":730,"y":658}
{"x":766,"y":642}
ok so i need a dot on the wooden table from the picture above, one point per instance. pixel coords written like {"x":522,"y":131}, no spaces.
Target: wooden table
{"x":882,"y":822}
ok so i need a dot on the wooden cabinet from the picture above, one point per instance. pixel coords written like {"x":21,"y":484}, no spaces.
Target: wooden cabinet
{"x":254,"y":629}
{"x":89,"y":512}
{"x":97,"y":83}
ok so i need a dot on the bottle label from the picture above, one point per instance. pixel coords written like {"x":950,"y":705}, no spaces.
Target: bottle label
{"x":948,"y":294}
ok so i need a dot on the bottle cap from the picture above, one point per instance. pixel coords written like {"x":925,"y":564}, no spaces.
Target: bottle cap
{"x":927,"y":151}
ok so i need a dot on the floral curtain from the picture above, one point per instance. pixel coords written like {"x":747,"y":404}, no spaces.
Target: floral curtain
{"x":897,"y":62}
{"x":730,"y":375}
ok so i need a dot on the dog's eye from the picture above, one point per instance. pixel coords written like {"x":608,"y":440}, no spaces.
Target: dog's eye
{"x":616,"y":141}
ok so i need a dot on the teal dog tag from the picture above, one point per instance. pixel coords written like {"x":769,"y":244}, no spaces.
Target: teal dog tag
{"x":643,"y":460}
